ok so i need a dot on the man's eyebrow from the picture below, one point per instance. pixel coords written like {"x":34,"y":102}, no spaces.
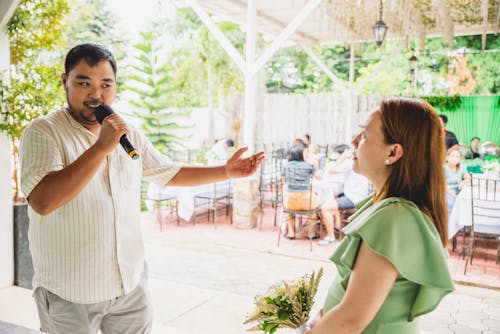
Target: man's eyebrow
{"x":108,"y":80}
{"x":82,"y":77}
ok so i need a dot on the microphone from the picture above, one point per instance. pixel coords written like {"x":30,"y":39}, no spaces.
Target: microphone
{"x":104,"y":110}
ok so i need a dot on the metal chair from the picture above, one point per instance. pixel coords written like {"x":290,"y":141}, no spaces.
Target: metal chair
{"x":270,"y":184}
{"x":160,"y":199}
{"x":220,"y":197}
{"x":300,"y":178}
{"x":485,"y":205}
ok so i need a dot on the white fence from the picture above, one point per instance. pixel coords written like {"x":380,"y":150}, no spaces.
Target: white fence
{"x":283,"y":117}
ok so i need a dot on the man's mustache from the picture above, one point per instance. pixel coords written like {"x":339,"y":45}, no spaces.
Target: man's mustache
{"x":93,"y":103}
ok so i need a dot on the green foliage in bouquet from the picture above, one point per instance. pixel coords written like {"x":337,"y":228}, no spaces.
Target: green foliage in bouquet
{"x":285,"y":305}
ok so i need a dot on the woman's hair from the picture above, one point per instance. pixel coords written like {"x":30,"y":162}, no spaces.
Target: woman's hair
{"x":296,"y":153}
{"x":418,"y":175}
{"x":453,"y":149}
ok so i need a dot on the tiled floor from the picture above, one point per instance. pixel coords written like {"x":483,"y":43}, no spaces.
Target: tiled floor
{"x":483,"y":272}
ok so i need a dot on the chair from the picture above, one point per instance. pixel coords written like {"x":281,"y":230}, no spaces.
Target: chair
{"x":220,"y":197}
{"x":270,"y":184}
{"x":300,"y":178}
{"x":485,"y":205}
{"x":161,"y":199}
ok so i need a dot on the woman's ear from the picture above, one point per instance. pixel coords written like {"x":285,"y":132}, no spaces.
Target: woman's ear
{"x":395,"y":154}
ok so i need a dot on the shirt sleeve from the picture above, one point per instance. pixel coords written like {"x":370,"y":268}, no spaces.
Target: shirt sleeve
{"x":407,"y":238}
{"x":156,"y":166}
{"x":39,"y":155}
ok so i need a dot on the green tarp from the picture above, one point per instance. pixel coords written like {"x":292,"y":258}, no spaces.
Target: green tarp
{"x":476,"y":116}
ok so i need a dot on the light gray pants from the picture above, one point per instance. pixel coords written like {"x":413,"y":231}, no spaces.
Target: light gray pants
{"x":128,"y":314}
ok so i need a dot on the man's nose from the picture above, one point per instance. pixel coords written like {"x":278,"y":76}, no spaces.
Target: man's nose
{"x":95,"y":93}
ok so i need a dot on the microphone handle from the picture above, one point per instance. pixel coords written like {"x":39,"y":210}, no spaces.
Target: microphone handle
{"x":127,"y":146}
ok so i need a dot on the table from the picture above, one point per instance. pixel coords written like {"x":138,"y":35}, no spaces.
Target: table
{"x":461,"y":215}
{"x":185,"y":197}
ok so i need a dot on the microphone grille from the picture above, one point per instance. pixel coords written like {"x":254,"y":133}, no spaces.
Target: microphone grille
{"x":102,"y":111}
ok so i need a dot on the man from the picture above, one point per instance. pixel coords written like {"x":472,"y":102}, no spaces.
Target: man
{"x":449,"y":137}
{"x":84,"y":204}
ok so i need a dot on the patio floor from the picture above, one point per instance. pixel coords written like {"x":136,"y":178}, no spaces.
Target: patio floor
{"x":484,"y":271}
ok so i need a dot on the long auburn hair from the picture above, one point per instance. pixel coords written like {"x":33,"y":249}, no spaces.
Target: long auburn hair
{"x":418,"y":175}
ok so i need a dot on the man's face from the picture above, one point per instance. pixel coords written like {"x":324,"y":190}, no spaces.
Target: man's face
{"x":86,"y":88}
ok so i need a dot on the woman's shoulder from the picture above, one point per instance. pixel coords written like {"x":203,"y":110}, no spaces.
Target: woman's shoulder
{"x":390,"y":214}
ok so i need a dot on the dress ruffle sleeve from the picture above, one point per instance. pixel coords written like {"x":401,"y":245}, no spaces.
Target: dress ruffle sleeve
{"x":397,"y":230}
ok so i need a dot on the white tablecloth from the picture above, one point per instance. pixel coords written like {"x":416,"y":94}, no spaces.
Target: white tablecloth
{"x":461,"y":214}
{"x":185,"y":196}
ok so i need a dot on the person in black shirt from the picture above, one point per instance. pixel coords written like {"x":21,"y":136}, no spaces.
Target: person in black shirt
{"x":450,"y":139}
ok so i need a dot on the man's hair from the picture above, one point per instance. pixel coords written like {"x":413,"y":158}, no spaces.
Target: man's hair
{"x":91,"y":53}
{"x":418,"y":175}
{"x":296,"y":153}
{"x":475,"y":137}
{"x":341,"y":148}
{"x":444,"y":118}
{"x":230,"y":143}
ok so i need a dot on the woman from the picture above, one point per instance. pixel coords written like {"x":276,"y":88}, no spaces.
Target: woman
{"x":456,"y":175}
{"x":391,"y":264}
{"x":297,"y":174}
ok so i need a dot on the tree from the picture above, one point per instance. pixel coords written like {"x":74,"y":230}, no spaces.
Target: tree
{"x":151,"y":81}
{"x":31,"y":87}
{"x":90,"y":21}
{"x":204,"y":74}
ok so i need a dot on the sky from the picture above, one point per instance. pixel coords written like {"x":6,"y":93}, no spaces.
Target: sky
{"x":132,"y":15}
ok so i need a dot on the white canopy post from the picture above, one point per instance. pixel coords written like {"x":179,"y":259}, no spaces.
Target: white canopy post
{"x":224,"y":42}
{"x":250,"y":78}
{"x":285,"y":34}
{"x":350,"y":97}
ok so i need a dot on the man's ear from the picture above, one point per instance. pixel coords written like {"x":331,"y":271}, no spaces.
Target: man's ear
{"x":64,"y":79}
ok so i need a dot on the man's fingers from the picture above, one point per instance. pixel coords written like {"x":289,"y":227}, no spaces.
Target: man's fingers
{"x":239,"y":152}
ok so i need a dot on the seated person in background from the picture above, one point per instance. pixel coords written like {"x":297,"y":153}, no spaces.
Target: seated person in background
{"x":297,"y":197}
{"x":221,"y":151}
{"x":336,"y":171}
{"x":310,"y":151}
{"x":474,"y":147}
{"x":356,"y":188}
{"x":456,"y":175}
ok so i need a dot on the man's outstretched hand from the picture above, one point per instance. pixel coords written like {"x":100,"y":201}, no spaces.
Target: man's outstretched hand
{"x":241,"y":167}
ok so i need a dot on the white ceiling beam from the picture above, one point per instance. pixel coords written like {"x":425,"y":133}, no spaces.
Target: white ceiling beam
{"x":377,"y":68}
{"x":338,"y":82}
{"x":224,"y":42}
{"x":285,"y":34}
{"x":7,"y":8}
{"x":264,"y":17}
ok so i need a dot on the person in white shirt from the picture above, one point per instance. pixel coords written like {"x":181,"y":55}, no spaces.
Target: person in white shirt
{"x":84,"y":204}
{"x":221,"y":150}
{"x":356,"y":188}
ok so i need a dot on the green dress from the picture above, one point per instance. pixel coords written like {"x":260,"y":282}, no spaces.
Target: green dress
{"x":397,"y":230}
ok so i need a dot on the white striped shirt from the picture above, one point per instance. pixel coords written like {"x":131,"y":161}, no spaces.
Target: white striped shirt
{"x":91,"y":249}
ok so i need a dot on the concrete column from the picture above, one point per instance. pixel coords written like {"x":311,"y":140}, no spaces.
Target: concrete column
{"x":6,"y":219}
{"x":245,"y":202}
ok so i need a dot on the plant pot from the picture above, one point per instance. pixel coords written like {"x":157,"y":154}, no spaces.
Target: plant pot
{"x":23,"y":264}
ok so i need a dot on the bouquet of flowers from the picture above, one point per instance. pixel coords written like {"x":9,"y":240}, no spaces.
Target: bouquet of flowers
{"x":286,"y":304}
